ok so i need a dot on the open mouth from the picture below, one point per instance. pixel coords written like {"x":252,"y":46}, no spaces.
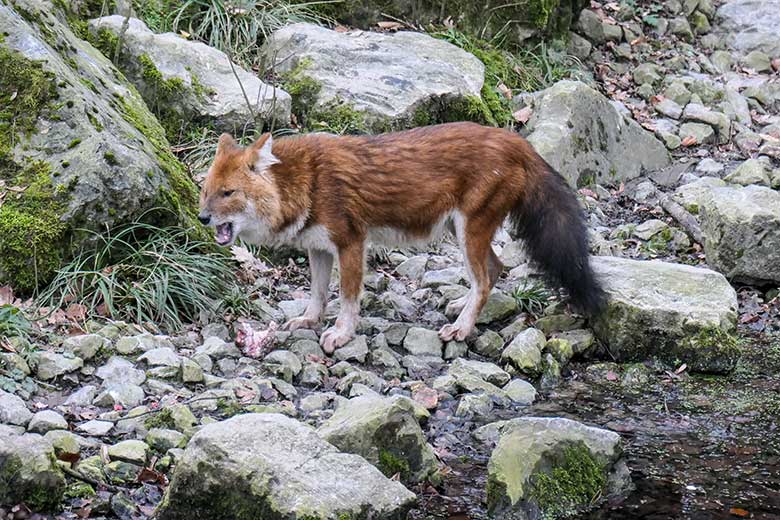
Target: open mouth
{"x":225,"y":233}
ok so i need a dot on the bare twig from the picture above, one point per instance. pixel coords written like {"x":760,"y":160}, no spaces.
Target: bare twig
{"x":681,"y":215}
{"x":89,"y":480}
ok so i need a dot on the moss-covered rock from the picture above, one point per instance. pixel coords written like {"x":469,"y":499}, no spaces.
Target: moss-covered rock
{"x":78,"y":147}
{"x":674,"y":313}
{"x":29,"y":473}
{"x":551,"y":467}
{"x":188,"y":83}
{"x":386,"y":432}
{"x":272,"y":467}
{"x":359,"y":81}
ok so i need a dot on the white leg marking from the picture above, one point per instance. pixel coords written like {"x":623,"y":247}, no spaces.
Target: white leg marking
{"x":321,"y":264}
{"x":344,"y":329}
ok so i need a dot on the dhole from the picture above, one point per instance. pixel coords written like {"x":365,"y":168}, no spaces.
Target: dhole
{"x":333,"y":195}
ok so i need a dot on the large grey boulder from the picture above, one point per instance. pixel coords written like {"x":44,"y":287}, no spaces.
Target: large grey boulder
{"x":749,"y":25}
{"x":29,"y":473}
{"x":585,"y":138}
{"x":551,"y":467}
{"x":84,"y":147}
{"x":273,"y":467}
{"x":191,"y":81}
{"x":394,"y":79}
{"x":742,"y":232}
{"x":672,"y":312}
{"x":386,"y":432}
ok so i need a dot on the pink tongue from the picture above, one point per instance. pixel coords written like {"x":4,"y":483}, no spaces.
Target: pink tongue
{"x":223,"y":232}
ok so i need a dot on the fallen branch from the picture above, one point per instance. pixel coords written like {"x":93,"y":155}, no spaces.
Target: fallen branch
{"x":683,"y":216}
{"x":89,"y":480}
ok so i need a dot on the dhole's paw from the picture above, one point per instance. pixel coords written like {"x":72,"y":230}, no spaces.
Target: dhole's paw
{"x":455,"y":306}
{"x":454,"y":332}
{"x":301,"y":322}
{"x":334,"y":338}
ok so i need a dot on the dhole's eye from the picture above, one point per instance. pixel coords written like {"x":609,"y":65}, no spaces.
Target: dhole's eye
{"x":228,"y":193}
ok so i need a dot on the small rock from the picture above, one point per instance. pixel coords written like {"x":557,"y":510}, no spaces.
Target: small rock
{"x":702,"y":114}
{"x":120,"y":370}
{"x":525,"y":351}
{"x":489,"y":344}
{"x":85,"y":346}
{"x":355,"y":350}
{"x":447,"y":276}
{"x":521,"y":392}
{"x":158,"y":357}
{"x":49,"y":365}
{"x":678,"y":92}
{"x":29,"y":473}
{"x":709,"y":167}
{"x":191,"y":372}
{"x":45,"y":421}
{"x":67,"y":445}
{"x":162,"y":440}
{"x":647,"y":73}
{"x":499,"y":306}
{"x":758,"y":61}
{"x":283,"y":363}
{"x":681,"y":28}
{"x":413,"y":268}
{"x":423,"y":342}
{"x":560,"y":348}
{"x":95,"y":428}
{"x":126,"y":395}
{"x":722,"y":61}
{"x":134,"y":451}
{"x":455,"y":349}
{"x":13,"y":410}
{"x":474,"y":405}
{"x":216,"y":348}
{"x":485,"y":371}
{"x":703,"y":134}
{"x":589,"y":25}
{"x":82,"y":397}
{"x":752,"y":171}
{"x":649,"y":228}
{"x":668,"y":108}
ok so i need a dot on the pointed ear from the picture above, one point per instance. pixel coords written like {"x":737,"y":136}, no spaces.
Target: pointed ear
{"x":261,"y":154}
{"x":225,"y":143}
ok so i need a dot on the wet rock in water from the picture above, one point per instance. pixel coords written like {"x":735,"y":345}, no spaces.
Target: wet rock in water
{"x":548,"y":467}
{"x":13,"y":410}
{"x":577,"y":130}
{"x":385,"y":78}
{"x":49,"y":365}
{"x":271,"y":466}
{"x":386,"y":432}
{"x":87,"y":149}
{"x":671,"y":312}
{"x":525,"y":351}
{"x":29,"y":473}
{"x":45,"y":421}
{"x":198,"y":80}
{"x":85,"y":346}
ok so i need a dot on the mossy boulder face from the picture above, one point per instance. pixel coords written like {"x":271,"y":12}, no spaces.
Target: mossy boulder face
{"x":386,"y":432}
{"x":188,"y":82}
{"x":551,"y":467}
{"x":360,"y":81}
{"x":513,"y":21}
{"x":670,"y":312}
{"x":29,"y":473}
{"x":78,"y":147}
{"x":273,"y":467}
{"x":578,"y":131}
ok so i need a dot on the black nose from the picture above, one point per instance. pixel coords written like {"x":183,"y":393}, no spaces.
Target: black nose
{"x":204,"y":220}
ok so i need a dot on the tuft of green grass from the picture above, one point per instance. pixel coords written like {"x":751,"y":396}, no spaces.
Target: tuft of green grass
{"x":239,"y":28}
{"x":144,"y":273}
{"x":532,"y":297}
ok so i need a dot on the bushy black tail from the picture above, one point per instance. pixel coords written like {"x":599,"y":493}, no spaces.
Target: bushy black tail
{"x":549,"y":220}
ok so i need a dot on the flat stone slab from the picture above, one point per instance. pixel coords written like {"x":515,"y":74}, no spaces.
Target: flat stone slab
{"x":672,"y":312}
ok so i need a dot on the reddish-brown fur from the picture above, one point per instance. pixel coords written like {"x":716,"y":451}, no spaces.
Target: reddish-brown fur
{"x":406,"y":181}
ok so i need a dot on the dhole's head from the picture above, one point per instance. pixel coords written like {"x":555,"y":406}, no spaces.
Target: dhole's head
{"x":239,"y":188}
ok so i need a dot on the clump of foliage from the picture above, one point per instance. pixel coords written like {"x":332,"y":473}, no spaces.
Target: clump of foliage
{"x":143,"y":273}
{"x":13,"y":323}
{"x":531,"y":297}
{"x":237,"y":28}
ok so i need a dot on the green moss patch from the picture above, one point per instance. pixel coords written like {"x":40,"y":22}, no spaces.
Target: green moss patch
{"x":574,"y":481}
{"x":391,"y":464}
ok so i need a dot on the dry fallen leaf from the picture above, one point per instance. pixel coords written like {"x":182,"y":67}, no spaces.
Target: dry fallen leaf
{"x":340,"y":29}
{"x":523,"y":115}
{"x":505,"y":91}
{"x":390,"y":26}
{"x":689,"y":140}
{"x":738,"y":511}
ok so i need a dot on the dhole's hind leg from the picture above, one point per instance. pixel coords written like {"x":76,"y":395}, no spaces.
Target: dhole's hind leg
{"x":321,"y":265}
{"x":495,"y":267}
{"x":483,"y":270}
{"x":351,"y":272}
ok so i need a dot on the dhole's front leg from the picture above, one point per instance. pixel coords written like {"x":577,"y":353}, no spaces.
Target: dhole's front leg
{"x":351,"y":271}
{"x":320,"y":265}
